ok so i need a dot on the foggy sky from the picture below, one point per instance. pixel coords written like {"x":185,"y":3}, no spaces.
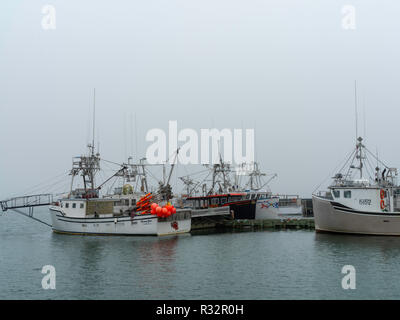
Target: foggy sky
{"x":284,"y":68}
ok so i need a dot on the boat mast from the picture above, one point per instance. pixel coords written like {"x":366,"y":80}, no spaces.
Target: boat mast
{"x":93,"y":137}
{"x":87,"y":165}
{"x":220,"y":176}
{"x":94,"y":119}
{"x":359,"y":156}
{"x":355,"y":107}
{"x":359,"y":144}
{"x":144,"y":178}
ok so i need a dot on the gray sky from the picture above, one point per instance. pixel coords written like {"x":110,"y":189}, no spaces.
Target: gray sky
{"x":285,"y":68}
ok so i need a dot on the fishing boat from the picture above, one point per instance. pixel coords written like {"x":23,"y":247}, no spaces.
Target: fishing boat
{"x":266,"y":204}
{"x":361,"y":199}
{"x":257,"y":189}
{"x":238,"y":207}
{"x":83,"y":211}
{"x":247,"y":201}
{"x":269,"y":205}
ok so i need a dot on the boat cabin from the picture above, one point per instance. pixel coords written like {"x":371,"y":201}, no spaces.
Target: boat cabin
{"x":213,"y":201}
{"x":367,"y":198}
{"x":257,"y":195}
{"x":86,"y":208}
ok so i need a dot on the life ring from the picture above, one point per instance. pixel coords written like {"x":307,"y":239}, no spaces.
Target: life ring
{"x":382,"y":193}
{"x":382,"y":204}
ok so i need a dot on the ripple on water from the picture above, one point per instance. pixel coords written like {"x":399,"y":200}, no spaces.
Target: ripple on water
{"x":246,"y":265}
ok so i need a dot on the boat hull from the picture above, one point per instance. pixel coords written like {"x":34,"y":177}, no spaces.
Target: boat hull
{"x":245,"y":209}
{"x":267,"y":209}
{"x":330,"y":216}
{"x":290,"y":211}
{"x":138,"y":225}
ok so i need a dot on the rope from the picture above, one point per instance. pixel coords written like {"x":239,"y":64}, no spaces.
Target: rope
{"x":36,"y":219}
{"x":348,"y":158}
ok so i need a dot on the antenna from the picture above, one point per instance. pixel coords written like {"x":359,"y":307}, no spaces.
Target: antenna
{"x":355,"y":106}
{"x":131,"y":134}
{"x":255,"y":139}
{"x":125,"y":134}
{"x":136,"y":143}
{"x":98,"y":139}
{"x":365,"y":122}
{"x":94,"y":118}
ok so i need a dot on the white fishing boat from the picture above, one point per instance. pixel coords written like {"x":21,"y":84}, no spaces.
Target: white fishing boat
{"x":266,"y":205}
{"x":94,"y":216}
{"x":82,"y":211}
{"x":256,"y":188}
{"x":368,"y":203}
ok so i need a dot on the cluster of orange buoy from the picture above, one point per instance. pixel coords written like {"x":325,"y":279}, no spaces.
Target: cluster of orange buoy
{"x":162,"y":212}
{"x":143,"y":205}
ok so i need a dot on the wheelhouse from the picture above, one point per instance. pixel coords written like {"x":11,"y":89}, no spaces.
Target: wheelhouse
{"x":257,"y":195}
{"x":213,"y":201}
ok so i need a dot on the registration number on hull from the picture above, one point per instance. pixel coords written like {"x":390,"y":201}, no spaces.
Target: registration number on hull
{"x":365,"y":202}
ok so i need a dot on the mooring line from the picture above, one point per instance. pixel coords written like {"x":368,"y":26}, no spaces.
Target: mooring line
{"x":31,"y":217}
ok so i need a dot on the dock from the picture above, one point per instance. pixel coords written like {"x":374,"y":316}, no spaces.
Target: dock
{"x":220,"y":218}
{"x":271,"y":224}
{"x":301,"y":223}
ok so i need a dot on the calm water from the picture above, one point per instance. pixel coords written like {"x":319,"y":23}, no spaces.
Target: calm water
{"x":245,"y":265}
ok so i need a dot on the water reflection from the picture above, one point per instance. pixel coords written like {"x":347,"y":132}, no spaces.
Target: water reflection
{"x":388,"y":246}
{"x":218,"y":265}
{"x":161,"y":251}
{"x":118,"y":266}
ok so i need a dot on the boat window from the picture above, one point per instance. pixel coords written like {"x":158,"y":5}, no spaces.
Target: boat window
{"x":248,"y":196}
{"x":133,"y":202}
{"x":127,"y":202}
{"x":336,"y":193}
{"x":214,"y":201}
{"x":253,"y":196}
{"x":67,"y":205}
{"x":347,"y":194}
{"x":74,"y":205}
{"x":223,"y":200}
{"x":82,"y":205}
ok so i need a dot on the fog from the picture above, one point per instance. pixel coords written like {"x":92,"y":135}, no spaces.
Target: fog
{"x":285,"y":68}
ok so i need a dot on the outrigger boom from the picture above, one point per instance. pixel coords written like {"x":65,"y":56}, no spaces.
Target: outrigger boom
{"x":31,"y":201}
{"x":36,"y":200}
